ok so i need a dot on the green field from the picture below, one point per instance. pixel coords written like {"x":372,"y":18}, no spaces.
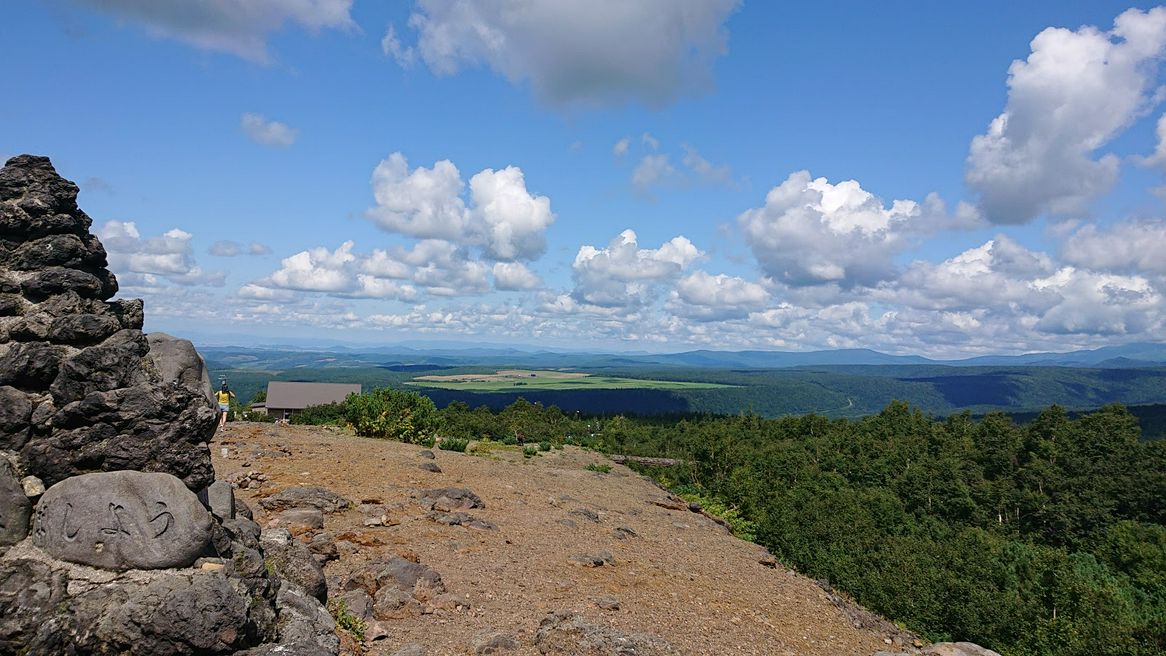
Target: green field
{"x":523,"y":379}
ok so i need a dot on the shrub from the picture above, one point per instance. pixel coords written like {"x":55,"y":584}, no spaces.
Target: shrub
{"x":427,"y":441}
{"x":741,"y":527}
{"x":330,"y":414}
{"x":510,"y":440}
{"x":257,"y":416}
{"x":454,"y":444}
{"x":529,"y":451}
{"x":393,"y":414}
{"x":544,"y":446}
{"x":596,"y":467}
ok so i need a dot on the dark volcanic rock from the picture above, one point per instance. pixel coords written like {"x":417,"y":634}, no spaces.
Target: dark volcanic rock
{"x":176,"y":360}
{"x":292,"y":560}
{"x":15,"y":415}
{"x":30,"y":593}
{"x":190,"y":612}
{"x":122,"y":520}
{"x":15,"y":507}
{"x":447,"y":499}
{"x":98,"y":395}
{"x":322,"y":499}
{"x":569,"y":633}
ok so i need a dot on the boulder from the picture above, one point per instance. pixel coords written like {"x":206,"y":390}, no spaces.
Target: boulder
{"x":294,"y":563}
{"x":357,"y":603}
{"x":219,"y":499}
{"x":448,"y":499}
{"x":122,"y":520}
{"x":568,"y":634}
{"x":177,"y":361}
{"x":397,"y":586}
{"x":300,"y":520}
{"x":493,"y":642}
{"x":322,"y":499}
{"x":304,"y":624}
{"x":15,"y":506}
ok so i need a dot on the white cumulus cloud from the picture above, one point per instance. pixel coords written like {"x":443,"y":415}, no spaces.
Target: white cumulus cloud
{"x":624,"y":274}
{"x":706,"y":297}
{"x":514,"y":276}
{"x":502,"y":218}
{"x":169,"y":256}
{"x":1077,"y":90}
{"x":1130,"y":246}
{"x":813,"y":232}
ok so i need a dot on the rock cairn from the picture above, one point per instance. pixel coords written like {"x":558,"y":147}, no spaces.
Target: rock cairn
{"x":79,"y":388}
{"x":133,"y":547}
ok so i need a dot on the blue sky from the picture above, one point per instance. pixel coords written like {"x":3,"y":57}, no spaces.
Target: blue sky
{"x":946,"y":179}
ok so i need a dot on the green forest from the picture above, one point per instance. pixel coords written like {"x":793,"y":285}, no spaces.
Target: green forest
{"x":1042,"y":538}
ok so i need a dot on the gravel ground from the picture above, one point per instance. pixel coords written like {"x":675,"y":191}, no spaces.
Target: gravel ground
{"x":681,"y":577}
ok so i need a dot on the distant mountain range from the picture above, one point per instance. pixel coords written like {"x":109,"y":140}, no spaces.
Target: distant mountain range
{"x":1110,"y":357}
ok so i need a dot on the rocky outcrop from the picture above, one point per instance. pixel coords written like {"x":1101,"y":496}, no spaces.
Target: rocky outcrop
{"x":134,"y":548}
{"x":82,"y":389}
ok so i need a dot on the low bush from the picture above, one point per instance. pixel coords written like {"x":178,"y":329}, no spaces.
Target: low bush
{"x":544,"y":446}
{"x":529,"y":451}
{"x":741,"y":527}
{"x":331,"y":414}
{"x":393,"y":414}
{"x":596,"y":467}
{"x":454,"y":444}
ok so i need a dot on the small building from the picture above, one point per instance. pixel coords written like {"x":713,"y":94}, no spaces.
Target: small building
{"x":286,"y":399}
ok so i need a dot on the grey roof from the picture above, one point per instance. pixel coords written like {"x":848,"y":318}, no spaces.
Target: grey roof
{"x":297,"y":396}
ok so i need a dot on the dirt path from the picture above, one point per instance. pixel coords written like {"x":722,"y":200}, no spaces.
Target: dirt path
{"x":680,"y":577}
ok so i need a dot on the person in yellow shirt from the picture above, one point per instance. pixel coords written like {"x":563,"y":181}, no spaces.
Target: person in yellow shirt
{"x":224,"y":396}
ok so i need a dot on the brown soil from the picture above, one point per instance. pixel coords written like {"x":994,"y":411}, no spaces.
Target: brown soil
{"x":682,"y":578}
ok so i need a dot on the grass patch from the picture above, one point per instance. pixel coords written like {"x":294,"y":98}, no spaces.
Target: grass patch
{"x":529,"y":452}
{"x":599,"y":468}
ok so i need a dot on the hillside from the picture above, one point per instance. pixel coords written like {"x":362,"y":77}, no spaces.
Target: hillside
{"x":676,"y":574}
